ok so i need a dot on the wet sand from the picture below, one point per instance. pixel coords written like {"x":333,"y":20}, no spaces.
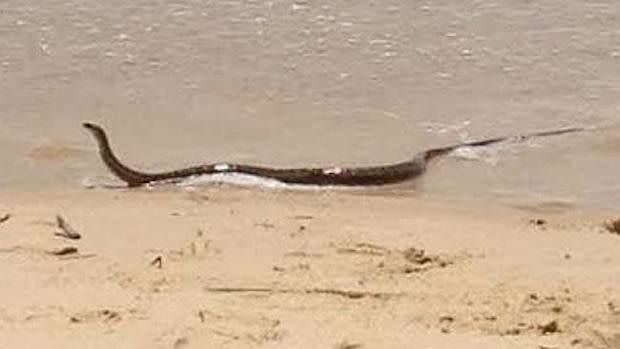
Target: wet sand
{"x":278,"y":269}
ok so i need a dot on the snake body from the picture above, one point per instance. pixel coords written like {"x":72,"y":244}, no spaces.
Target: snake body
{"x":322,"y":176}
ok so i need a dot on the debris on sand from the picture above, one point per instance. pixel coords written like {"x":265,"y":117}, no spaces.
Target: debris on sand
{"x":305,"y":291}
{"x":64,"y":251}
{"x":157,"y":262}
{"x":418,"y":256}
{"x":421,"y":261}
{"x":67,"y":231}
{"x":5,"y":218}
{"x":538,"y":222}
{"x":613,"y":226}
{"x":550,"y":327}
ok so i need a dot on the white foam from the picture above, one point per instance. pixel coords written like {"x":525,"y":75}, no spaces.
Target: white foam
{"x":489,"y":155}
{"x":332,"y":170}
{"x":221,"y":167}
{"x":232,"y":178}
{"x":245,"y":180}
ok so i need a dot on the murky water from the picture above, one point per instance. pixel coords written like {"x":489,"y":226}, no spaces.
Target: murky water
{"x":290,"y":83}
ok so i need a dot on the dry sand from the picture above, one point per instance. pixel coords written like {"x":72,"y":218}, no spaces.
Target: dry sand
{"x":246,"y":268}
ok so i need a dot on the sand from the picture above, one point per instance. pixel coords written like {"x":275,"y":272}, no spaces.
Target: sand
{"x":225,"y":267}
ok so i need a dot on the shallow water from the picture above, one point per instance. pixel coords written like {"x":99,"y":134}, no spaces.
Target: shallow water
{"x":299,"y":83}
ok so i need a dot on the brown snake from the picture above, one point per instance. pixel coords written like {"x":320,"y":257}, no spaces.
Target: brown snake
{"x":346,"y":176}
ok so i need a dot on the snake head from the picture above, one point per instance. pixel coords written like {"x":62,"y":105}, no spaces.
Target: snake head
{"x":92,"y":127}
{"x":97,"y":131}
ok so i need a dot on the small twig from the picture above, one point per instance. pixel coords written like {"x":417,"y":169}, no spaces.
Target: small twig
{"x":5,"y":218}
{"x":364,"y":248}
{"x":67,"y":231}
{"x":78,"y":256}
{"x":64,"y":251}
{"x":158,"y":261}
{"x":327,"y":291}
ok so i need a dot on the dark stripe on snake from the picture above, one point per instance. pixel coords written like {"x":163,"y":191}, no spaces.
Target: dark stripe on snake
{"x":345,"y":176}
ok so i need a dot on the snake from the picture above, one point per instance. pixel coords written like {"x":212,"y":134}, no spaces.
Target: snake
{"x":318,"y":176}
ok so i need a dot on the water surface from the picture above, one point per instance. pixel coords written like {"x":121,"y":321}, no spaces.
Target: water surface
{"x":299,"y":83}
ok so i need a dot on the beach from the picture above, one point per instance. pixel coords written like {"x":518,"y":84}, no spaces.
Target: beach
{"x":230,"y":267}
{"x":504,"y":246}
